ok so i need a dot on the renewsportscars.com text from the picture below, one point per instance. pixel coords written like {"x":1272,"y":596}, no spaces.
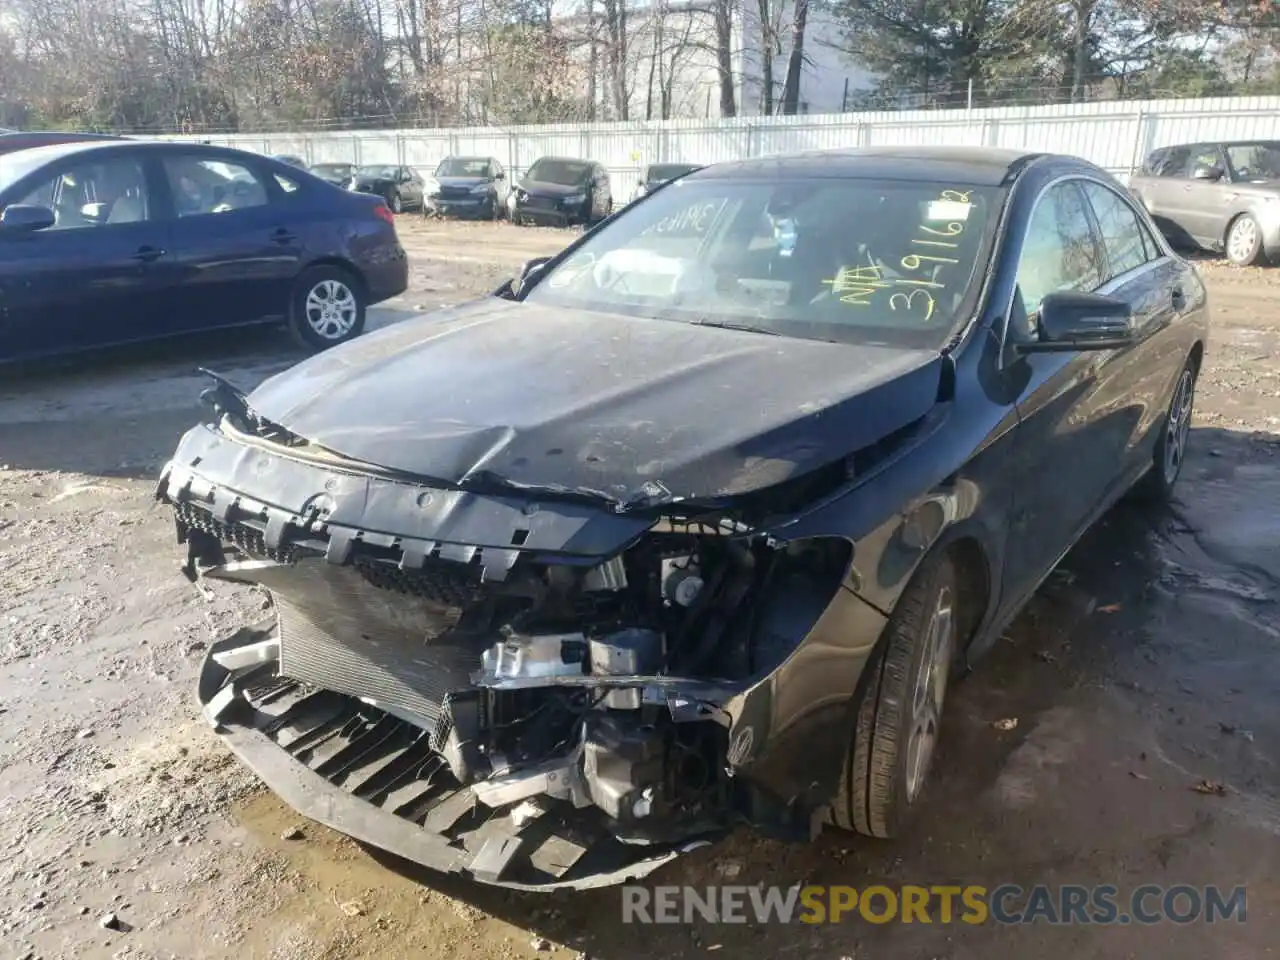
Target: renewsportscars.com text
{"x":1067,"y":904}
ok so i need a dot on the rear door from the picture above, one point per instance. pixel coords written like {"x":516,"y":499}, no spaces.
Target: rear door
{"x":1133,"y":383}
{"x":237,"y":237}
{"x":1163,"y":192}
{"x":102,"y":274}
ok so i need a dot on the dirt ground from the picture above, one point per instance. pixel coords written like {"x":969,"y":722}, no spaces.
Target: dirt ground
{"x":1147,"y":664}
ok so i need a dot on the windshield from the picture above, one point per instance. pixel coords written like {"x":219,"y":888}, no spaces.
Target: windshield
{"x":662,"y":172}
{"x":567,"y":173}
{"x":377,"y":173}
{"x":332,"y":168}
{"x":847,"y":260}
{"x":1255,"y":161}
{"x":463,"y":167}
{"x":15,"y":166}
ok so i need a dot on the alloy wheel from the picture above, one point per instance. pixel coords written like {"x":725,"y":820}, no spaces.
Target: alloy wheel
{"x":1243,"y":240}
{"x":930,"y":691}
{"x":331,"y":309}
{"x":1178,"y":428}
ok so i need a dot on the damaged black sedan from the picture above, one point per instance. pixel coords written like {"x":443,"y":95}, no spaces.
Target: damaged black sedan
{"x":690,"y":525}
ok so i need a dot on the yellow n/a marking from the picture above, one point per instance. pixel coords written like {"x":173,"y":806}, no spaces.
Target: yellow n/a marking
{"x":855,"y":284}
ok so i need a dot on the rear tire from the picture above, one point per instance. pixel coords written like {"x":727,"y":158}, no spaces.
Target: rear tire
{"x":328,"y":308}
{"x":900,"y":711}
{"x":1156,"y":485}
{"x":1244,"y":241}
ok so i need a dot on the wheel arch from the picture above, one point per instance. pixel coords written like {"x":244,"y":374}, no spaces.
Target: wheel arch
{"x":1196,"y":356}
{"x":331,"y":261}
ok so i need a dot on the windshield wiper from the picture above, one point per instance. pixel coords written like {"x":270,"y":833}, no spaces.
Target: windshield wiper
{"x":730,"y":325}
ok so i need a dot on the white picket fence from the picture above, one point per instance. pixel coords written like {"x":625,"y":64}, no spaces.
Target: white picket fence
{"x":1116,"y":135}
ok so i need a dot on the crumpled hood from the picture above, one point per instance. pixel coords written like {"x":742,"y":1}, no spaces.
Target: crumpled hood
{"x":470,"y":182}
{"x":634,"y":410}
{"x":541,"y":188}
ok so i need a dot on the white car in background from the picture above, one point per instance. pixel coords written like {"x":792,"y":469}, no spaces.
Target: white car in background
{"x":656,"y":174}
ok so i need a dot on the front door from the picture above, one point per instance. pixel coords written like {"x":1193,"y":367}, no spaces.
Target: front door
{"x":1067,"y":444}
{"x":236,"y":241}
{"x":102,"y":274}
{"x":412,"y":190}
{"x":1204,"y":205}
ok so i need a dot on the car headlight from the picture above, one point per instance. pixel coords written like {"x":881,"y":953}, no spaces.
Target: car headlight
{"x":431,"y":187}
{"x":575,"y":198}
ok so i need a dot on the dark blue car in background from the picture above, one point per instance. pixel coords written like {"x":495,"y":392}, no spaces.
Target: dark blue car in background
{"x":105,"y":243}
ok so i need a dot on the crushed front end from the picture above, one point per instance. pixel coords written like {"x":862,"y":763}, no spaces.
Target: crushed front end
{"x":532,"y":691}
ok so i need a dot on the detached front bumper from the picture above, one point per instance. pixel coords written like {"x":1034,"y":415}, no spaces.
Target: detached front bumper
{"x":549,"y":216}
{"x":464,"y":208}
{"x":365,"y":773}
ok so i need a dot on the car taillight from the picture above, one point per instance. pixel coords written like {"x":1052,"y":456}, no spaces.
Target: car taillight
{"x":383,"y":212}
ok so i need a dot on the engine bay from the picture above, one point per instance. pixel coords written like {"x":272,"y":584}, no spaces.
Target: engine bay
{"x":599,"y":685}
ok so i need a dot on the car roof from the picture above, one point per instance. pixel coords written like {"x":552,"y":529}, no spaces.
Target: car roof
{"x":1229,"y":142}
{"x":980,"y":166}
{"x":57,"y":151}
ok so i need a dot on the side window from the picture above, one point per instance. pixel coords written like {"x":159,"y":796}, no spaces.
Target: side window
{"x":1173,"y":162}
{"x":1154,"y":162}
{"x":1059,"y":251}
{"x":1122,"y":231}
{"x":285,"y":184}
{"x":104,"y":193}
{"x":202,"y":186}
{"x":1204,"y":155}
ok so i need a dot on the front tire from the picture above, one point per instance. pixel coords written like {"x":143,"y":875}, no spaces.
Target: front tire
{"x":900,"y":712}
{"x":1244,"y":241}
{"x":1157,"y":484}
{"x":395,"y":202}
{"x":328,"y":308}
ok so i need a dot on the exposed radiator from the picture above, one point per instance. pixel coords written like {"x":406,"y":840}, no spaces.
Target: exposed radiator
{"x":340,"y":632}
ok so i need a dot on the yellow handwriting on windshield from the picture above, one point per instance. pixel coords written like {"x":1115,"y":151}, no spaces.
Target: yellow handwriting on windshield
{"x":858,"y":285}
{"x":947,"y":214}
{"x":908,"y":301}
{"x":951,"y":230}
{"x":855,"y":284}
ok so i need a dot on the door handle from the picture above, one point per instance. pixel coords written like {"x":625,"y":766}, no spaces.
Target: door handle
{"x":148,"y":254}
{"x":283,"y":236}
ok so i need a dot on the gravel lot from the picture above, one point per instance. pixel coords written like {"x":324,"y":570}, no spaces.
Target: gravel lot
{"x":1147,"y":665}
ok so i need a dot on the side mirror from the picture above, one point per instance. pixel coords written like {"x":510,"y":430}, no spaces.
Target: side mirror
{"x":1072,"y":321}
{"x":26,"y":218}
{"x":499,"y":175}
{"x":1204,"y":171}
{"x":528,"y":270}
